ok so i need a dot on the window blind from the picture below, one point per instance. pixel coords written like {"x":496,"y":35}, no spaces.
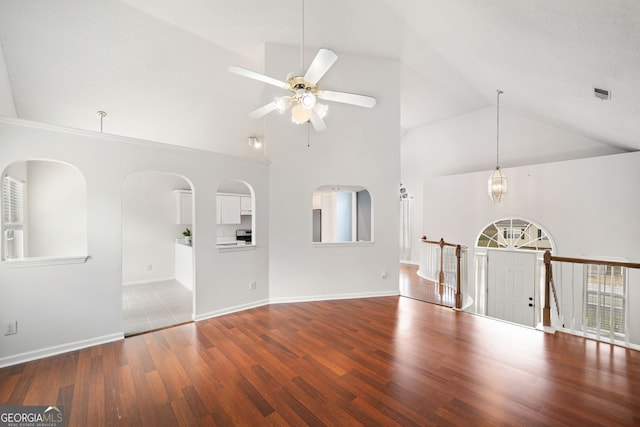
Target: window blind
{"x":12,"y":201}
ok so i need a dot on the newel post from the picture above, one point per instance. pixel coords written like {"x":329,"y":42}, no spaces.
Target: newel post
{"x":546,"y":311}
{"x":458,"y":280}
{"x":442,"y":261}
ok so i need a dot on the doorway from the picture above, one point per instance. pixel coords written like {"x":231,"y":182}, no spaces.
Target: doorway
{"x":509,"y":270}
{"x":157,"y":257}
{"x":511,"y":286}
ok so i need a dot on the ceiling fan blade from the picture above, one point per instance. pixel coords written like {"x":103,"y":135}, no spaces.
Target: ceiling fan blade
{"x":317,"y":122}
{"x":264,"y":110}
{"x":347,"y":98}
{"x":320,"y":65}
{"x":245,"y":72}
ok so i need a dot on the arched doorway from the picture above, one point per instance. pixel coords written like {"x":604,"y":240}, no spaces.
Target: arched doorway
{"x":509,"y":269}
{"x":158,"y":286}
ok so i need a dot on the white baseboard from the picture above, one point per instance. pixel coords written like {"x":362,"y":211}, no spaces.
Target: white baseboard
{"x":592,"y":338}
{"x":78,"y":345}
{"x":333,"y":297}
{"x":147,"y":281}
{"x":58,"y":349}
{"x":408,"y":262}
{"x":230,"y":310}
{"x":260,"y":303}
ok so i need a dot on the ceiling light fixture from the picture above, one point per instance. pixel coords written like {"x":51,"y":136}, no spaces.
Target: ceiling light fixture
{"x":497,"y":180}
{"x":305,"y":93}
{"x":254,"y":141}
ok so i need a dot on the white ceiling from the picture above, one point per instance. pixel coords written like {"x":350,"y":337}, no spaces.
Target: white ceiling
{"x":158,"y":67}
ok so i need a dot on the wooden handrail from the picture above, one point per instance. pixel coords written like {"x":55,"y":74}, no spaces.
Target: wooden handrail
{"x":441,"y":242}
{"x":596,"y":262}
{"x":548,"y":258}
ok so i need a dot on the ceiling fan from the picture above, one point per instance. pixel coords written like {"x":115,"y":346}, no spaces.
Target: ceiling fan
{"x":304,"y":89}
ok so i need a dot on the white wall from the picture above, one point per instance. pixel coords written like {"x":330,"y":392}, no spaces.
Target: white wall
{"x":467,"y":143}
{"x":56,"y":210}
{"x":149,"y":228}
{"x":360,"y":147}
{"x":7,"y":106}
{"x":61,"y":307}
{"x":589,"y":207}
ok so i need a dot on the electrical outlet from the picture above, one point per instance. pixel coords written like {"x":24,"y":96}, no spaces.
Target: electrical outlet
{"x":252,"y":286}
{"x":11,"y":328}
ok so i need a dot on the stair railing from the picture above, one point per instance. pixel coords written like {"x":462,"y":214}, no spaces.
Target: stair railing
{"x":548,"y":278}
{"x":451,"y":273}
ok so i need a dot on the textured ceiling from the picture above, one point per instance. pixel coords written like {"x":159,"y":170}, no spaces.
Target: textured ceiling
{"x":159,"y":67}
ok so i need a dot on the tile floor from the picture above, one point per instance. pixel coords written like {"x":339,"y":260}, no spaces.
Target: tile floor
{"x":154,"y":306}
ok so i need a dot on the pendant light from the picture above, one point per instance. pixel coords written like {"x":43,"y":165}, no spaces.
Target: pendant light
{"x":497,"y":180}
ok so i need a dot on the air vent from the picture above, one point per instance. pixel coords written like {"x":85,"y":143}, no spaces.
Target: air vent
{"x":602,"y":93}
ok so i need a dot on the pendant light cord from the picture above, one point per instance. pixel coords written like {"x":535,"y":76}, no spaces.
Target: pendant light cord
{"x":302,"y":40}
{"x":498,"y":129}
{"x":102,"y":115}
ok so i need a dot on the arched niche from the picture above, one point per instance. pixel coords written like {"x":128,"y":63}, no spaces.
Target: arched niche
{"x":341,"y":214}
{"x":44,"y":211}
{"x":235,"y":214}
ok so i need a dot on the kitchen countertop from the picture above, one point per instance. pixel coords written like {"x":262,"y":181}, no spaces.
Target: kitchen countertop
{"x":234,"y":243}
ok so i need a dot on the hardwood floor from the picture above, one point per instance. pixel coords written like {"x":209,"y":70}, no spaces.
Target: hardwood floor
{"x":379,"y":361}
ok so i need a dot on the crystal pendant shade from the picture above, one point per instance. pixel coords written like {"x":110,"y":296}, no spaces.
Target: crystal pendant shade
{"x":497,"y":180}
{"x":497,"y":185}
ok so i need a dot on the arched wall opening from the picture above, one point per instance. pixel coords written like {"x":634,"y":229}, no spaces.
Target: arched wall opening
{"x":44,"y":210}
{"x":341,"y":214}
{"x":158,"y":243}
{"x":235,"y":213}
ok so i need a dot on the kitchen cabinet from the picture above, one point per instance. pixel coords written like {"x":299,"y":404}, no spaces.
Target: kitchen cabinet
{"x":246,"y":205}
{"x":184,"y":265}
{"x":184,"y":207}
{"x":228,"y":209}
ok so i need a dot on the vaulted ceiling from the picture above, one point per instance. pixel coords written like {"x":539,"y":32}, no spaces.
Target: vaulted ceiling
{"x":159,"y":67}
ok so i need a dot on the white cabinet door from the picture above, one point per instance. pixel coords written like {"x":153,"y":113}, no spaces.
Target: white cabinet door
{"x":246,"y":205}
{"x":184,"y":214}
{"x":184,"y":265}
{"x":228,"y":210}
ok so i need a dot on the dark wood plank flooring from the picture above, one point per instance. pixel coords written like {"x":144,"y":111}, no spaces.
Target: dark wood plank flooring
{"x":379,"y":361}
{"x":414,"y":286}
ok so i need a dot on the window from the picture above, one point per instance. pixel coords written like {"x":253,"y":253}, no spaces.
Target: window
{"x":604,"y":308}
{"x":514,"y":233}
{"x":12,"y":216}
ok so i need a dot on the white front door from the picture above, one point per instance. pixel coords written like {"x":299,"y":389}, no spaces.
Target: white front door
{"x":511,"y":286}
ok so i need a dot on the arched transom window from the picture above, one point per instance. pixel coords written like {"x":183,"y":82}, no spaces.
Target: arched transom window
{"x":514,"y":233}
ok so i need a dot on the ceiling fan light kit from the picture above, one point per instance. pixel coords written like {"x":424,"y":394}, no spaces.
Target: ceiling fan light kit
{"x":304,"y":90}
